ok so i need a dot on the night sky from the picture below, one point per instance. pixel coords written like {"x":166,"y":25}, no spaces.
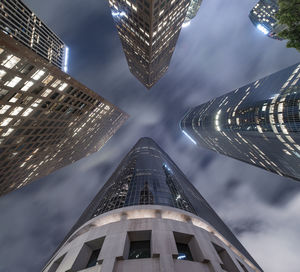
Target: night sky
{"x":220,"y":51}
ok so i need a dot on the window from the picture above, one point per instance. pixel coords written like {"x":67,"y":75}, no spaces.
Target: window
{"x":227,"y":263}
{"x":38,"y":74}
{"x":10,"y":61}
{"x":184,"y":252}
{"x":88,"y":255}
{"x":93,"y":259}
{"x":13,"y":82}
{"x":139,"y":244}
{"x":56,"y":264}
{"x":139,"y":250}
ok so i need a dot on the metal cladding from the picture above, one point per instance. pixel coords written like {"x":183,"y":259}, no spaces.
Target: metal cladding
{"x":258,"y":123}
{"x":19,"y":22}
{"x":148,"y":31}
{"x":263,"y":18}
{"x":47,"y":119}
{"x":147,"y":176}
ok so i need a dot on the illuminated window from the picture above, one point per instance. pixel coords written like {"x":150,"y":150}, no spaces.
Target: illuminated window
{"x":36,"y":102}
{"x":13,"y":82}
{"x":16,"y":111}
{"x":2,"y":74}
{"x":4,"y":108}
{"x":62,"y":86}
{"x":27,"y":112}
{"x":55,"y":83}
{"x":9,"y":131}
{"x":46,"y":92}
{"x":10,"y":61}
{"x":15,"y":98}
{"x":27,"y":85}
{"x":5,"y":122}
{"x":47,"y":79}
{"x":38,"y":74}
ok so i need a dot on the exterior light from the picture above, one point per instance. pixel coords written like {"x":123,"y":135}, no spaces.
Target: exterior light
{"x":186,"y":24}
{"x":194,"y":142}
{"x":262,"y":29}
{"x":66,"y":60}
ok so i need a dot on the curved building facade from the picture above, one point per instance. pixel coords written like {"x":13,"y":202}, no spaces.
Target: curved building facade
{"x":149,"y":217}
{"x":258,"y":123}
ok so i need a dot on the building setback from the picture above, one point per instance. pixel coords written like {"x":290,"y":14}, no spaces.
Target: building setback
{"x":263,"y":18}
{"x":258,"y":123}
{"x":148,"y":30}
{"x":149,"y":217}
{"x":18,"y":21}
{"x":47,"y":119}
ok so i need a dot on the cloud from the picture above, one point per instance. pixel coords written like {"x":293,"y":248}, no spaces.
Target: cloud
{"x":218,"y":52}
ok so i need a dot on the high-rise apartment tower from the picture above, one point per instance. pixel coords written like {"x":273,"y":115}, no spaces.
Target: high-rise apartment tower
{"x":263,"y":17}
{"x":19,"y":22}
{"x":258,"y":123}
{"x":149,"y":217}
{"x":47,"y":118}
{"x":148,"y":30}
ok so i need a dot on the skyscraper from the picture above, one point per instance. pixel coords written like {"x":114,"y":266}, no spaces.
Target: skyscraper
{"x":47,"y":118}
{"x":19,"y":22}
{"x":192,"y":10}
{"x":149,"y":217}
{"x":258,"y":123}
{"x":263,"y":17}
{"x":148,"y":30}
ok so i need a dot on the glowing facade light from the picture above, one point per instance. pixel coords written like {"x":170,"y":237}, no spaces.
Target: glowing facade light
{"x":262,"y":29}
{"x":194,"y":142}
{"x":186,"y":24}
{"x":116,"y":13}
{"x":66,"y":60}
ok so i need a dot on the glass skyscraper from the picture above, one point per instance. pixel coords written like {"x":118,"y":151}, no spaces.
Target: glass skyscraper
{"x":258,"y":123}
{"x":263,"y":18}
{"x":149,"y":215}
{"x":149,"y":31}
{"x":19,"y":22}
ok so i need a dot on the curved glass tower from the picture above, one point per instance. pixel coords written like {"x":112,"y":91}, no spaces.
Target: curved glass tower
{"x":161,"y":216}
{"x":192,"y":10}
{"x":258,"y":123}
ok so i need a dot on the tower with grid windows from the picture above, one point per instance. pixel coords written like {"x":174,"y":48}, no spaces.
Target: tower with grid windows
{"x":258,"y":123}
{"x":149,"y":30}
{"x":47,"y":119}
{"x":19,"y":22}
{"x":263,"y":17}
{"x":149,"y":217}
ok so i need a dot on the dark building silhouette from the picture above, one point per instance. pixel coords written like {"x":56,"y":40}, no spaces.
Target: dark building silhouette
{"x":258,"y":123}
{"x":148,"y":189}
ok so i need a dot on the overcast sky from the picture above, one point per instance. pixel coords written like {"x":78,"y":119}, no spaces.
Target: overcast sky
{"x":220,"y":51}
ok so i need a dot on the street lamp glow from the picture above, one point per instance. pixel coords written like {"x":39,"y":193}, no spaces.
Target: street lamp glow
{"x":194,"y":142}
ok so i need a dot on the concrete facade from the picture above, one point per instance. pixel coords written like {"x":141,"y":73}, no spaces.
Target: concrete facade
{"x":163,"y":226}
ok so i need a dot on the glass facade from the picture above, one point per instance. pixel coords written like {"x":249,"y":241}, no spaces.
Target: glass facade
{"x":192,"y":10}
{"x":148,"y":30}
{"x":147,"y":176}
{"x":263,"y":18}
{"x":19,"y":22}
{"x":47,"y":119}
{"x":258,"y":123}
